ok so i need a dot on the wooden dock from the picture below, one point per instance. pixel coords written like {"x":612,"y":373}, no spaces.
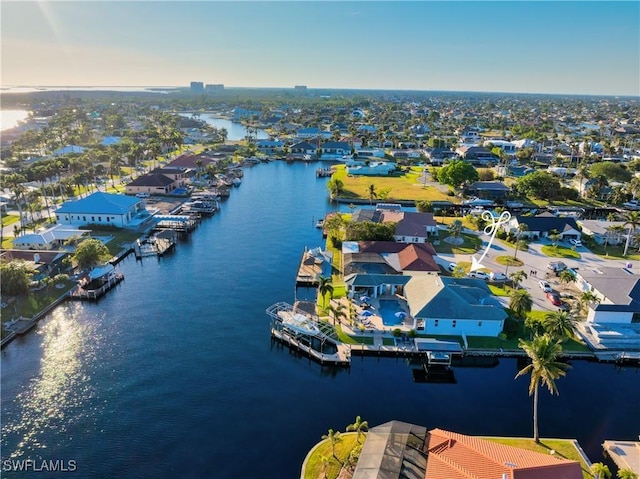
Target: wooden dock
{"x":78,"y":293}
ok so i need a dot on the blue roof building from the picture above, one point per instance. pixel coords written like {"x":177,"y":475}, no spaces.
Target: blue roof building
{"x":103,"y":209}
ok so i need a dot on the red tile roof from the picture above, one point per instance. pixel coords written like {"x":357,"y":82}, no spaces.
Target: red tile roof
{"x":416,"y":258}
{"x":456,"y":456}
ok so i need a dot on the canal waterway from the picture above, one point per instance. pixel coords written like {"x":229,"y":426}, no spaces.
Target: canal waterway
{"x":173,"y":374}
{"x":235,"y":131}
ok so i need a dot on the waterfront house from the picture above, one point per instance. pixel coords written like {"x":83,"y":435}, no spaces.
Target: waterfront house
{"x":493,"y":190}
{"x":618,"y":290}
{"x":47,"y":239}
{"x":303,"y":148}
{"x":411,"y":226}
{"x":269,"y":147}
{"x":540,"y":226}
{"x":388,"y":257}
{"x":160,"y":181}
{"x":373,"y":168}
{"x":332,"y":150}
{"x":398,"y":449}
{"x":454,"y":306}
{"x":240,"y":114}
{"x":604,"y":232}
{"x":369,"y":152}
{"x":101,"y":208}
{"x":41,"y":262}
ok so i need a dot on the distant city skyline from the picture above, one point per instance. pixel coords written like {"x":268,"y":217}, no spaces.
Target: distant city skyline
{"x":590,"y":48}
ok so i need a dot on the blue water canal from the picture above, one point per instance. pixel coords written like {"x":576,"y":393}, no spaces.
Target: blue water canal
{"x":173,"y":373}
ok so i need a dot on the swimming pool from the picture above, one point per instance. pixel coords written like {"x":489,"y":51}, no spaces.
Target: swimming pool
{"x":388,"y":309}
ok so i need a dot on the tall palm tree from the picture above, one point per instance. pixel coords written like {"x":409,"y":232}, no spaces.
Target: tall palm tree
{"x":586,"y":299}
{"x":334,"y":438}
{"x":522,"y":227}
{"x":520,"y":302}
{"x":338,"y":312}
{"x":560,"y":325}
{"x":600,"y":471}
{"x":325,"y":287}
{"x":358,"y":426}
{"x":372,"y":193}
{"x":566,"y":277}
{"x":632,"y":220}
{"x":517,"y":278}
{"x":544,"y":369}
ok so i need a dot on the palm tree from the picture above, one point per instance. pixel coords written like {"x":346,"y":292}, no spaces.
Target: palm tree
{"x":554,"y":236}
{"x":600,"y":471}
{"x":544,"y":369}
{"x":632,"y":219}
{"x":522,"y":227}
{"x":626,"y":474}
{"x":325,"y":461}
{"x":535,"y":325}
{"x":337,"y":312}
{"x":372,"y":193}
{"x":334,"y":438}
{"x":517,"y":278}
{"x":358,"y":426}
{"x":520,"y":302}
{"x":324,"y":287}
{"x":560,"y":325}
{"x":566,"y":277}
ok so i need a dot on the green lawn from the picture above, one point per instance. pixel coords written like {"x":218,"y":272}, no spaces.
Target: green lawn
{"x":399,"y":186}
{"x":9,"y":219}
{"x":471,"y":244}
{"x":614,"y":252}
{"x":508,"y":260}
{"x":499,"y":290}
{"x":560,"y":252}
{"x":563,"y":448}
{"x":120,"y":237}
{"x":316,"y":469}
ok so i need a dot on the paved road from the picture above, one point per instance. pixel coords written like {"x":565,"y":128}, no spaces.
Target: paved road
{"x":535,"y":260}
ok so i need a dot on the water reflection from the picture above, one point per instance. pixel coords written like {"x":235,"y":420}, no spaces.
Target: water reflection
{"x":53,"y":399}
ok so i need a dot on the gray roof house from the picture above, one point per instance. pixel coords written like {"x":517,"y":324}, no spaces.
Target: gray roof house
{"x":494,"y":190}
{"x":454,"y":306}
{"x":541,"y":225}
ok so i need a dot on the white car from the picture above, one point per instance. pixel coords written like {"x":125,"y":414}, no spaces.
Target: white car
{"x":544,"y":286}
{"x":498,"y":276}
{"x":479,"y":275}
{"x":575,"y":242}
{"x":452,"y":266}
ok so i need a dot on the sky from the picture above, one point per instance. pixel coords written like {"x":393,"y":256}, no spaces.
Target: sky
{"x":577,"y":47}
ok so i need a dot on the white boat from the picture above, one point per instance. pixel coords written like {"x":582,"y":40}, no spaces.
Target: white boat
{"x":298,"y":323}
{"x":237,"y":181}
{"x":320,"y":223}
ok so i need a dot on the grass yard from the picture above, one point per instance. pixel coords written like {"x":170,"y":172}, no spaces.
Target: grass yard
{"x":614,"y":252}
{"x":508,"y":260}
{"x":471,"y":244}
{"x":563,"y":448}
{"x":119,"y":238}
{"x":399,"y":186}
{"x":315,"y":466}
{"x":499,"y":290}
{"x":9,"y":219}
{"x":560,"y":252}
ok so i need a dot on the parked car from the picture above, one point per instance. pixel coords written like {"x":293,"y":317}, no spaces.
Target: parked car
{"x":554,"y":298}
{"x":556,"y":266}
{"x":479,"y":275}
{"x":575,"y":242}
{"x":544,"y":286}
{"x":498,"y":276}
{"x":142,"y":195}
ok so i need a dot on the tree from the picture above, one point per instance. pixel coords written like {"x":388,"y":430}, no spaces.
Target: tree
{"x":544,"y":369}
{"x":610,"y":171}
{"x":626,"y":474}
{"x":554,"y":236}
{"x":335,"y":186}
{"x":517,"y":278}
{"x":455,"y":228}
{"x":539,"y":184}
{"x":358,"y":426}
{"x":600,"y":471}
{"x":91,"y":252}
{"x":372,"y":193}
{"x":535,"y":324}
{"x":457,"y":173}
{"x":16,"y":277}
{"x":560,"y":325}
{"x":520,"y":302}
{"x":325,"y":287}
{"x":566,"y":277}
{"x":522,"y":227}
{"x":334,"y":438}
{"x":424,"y":206}
{"x":632,"y":220}
{"x":586,"y":299}
{"x":337,"y":312}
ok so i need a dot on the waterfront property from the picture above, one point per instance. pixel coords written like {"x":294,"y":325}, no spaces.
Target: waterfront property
{"x":160,"y":181}
{"x":96,"y":283}
{"x":542,"y":225}
{"x":47,"y":239}
{"x":314,"y":263}
{"x":371,"y":168}
{"x":120,"y":211}
{"x":398,"y":449}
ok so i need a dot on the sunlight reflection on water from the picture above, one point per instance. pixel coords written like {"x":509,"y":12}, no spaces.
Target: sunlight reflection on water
{"x":52,"y":400}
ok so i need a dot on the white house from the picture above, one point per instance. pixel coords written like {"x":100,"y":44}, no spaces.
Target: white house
{"x":618,"y":290}
{"x":454,"y":306}
{"x":104,"y":209}
{"x":374,"y":168}
{"x":306,"y":133}
{"x":47,"y":239}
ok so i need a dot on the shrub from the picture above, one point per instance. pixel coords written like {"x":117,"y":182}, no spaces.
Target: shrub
{"x":397,"y":333}
{"x":412,"y":334}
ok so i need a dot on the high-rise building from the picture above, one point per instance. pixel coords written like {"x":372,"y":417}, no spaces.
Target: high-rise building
{"x":197,"y":87}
